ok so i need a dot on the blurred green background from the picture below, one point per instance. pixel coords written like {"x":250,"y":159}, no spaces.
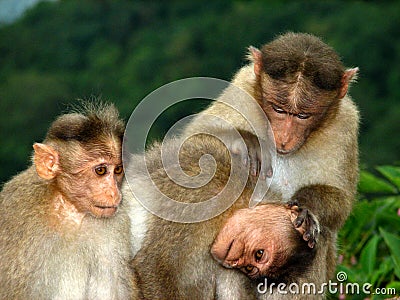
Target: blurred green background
{"x":60,"y":51}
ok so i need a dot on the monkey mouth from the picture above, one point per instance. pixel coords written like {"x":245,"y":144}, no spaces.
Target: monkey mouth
{"x":230,"y":264}
{"x":105,"y":210}
{"x":106,"y":206}
{"x":220,"y":254}
{"x":285,"y":152}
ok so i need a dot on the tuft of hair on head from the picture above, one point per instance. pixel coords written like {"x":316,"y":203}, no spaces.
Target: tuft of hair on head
{"x":90,"y":122}
{"x":292,"y":53}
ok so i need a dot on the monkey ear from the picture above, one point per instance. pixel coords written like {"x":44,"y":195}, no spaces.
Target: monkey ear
{"x":46,"y":161}
{"x":255,"y":56}
{"x":348,"y":76}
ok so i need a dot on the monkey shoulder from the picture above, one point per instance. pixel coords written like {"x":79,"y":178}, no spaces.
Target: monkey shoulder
{"x":245,"y":77}
{"x":231,"y":108}
{"x":23,"y":204}
{"x":24,"y":183}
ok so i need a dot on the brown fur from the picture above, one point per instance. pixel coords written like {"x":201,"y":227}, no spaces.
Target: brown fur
{"x":174,"y":261}
{"x":317,"y":161}
{"x":63,"y":232}
{"x":293,"y":55}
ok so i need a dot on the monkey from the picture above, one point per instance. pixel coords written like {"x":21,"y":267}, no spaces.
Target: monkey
{"x":266,"y":256}
{"x":302,"y":87}
{"x":64,"y":232}
{"x":174,"y":259}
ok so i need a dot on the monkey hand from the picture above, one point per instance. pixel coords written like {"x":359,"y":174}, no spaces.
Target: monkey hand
{"x":256,"y":154}
{"x":305,"y":223}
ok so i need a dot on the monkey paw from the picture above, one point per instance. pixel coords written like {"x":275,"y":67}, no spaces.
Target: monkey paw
{"x":257,"y":157}
{"x":305,"y":223}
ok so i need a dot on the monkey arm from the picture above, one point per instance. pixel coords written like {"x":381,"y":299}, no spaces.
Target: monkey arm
{"x":329,"y":204}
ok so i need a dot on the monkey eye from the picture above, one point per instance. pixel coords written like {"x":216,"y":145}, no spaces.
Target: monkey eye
{"x":278,"y":109}
{"x":303,"y":116}
{"x":249,"y":268}
{"x":118,"y":169}
{"x":100,"y":170}
{"x":259,"y":254}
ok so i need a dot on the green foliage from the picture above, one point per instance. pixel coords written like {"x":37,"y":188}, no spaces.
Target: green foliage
{"x":123,"y":50}
{"x":370,"y":239}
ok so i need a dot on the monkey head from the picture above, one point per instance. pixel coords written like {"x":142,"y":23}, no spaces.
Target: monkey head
{"x":260,"y":241}
{"x":300,"y":81}
{"x":81,"y":159}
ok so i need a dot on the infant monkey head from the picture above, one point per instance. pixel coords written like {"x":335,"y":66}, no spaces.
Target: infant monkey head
{"x":81,"y":159}
{"x":261,"y":241}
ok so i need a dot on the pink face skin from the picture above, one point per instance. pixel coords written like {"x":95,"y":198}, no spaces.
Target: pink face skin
{"x":93,"y":187}
{"x":258,"y":241}
{"x":295,"y":109}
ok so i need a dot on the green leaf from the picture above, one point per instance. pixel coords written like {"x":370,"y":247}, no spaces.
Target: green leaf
{"x":368,"y":255}
{"x":388,"y":220}
{"x":394,"y":286}
{"x":360,"y":223}
{"x":385,"y":268}
{"x":393,"y":242}
{"x":392,"y":173}
{"x":369,"y":183}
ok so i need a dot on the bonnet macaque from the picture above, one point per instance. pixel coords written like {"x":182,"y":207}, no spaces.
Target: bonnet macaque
{"x":174,"y":260}
{"x":64,"y":232}
{"x":301,"y":85}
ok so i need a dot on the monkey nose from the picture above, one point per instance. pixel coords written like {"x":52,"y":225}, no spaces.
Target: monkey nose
{"x":285,"y":141}
{"x":283,"y":145}
{"x":115,"y":197}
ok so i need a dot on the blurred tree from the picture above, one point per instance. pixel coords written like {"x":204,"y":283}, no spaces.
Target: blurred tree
{"x":28,"y":100}
{"x":122,"y":50}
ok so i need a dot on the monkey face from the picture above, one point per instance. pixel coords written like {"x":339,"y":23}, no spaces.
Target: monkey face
{"x":95,"y":187}
{"x":107,"y":196}
{"x":291,"y":130}
{"x":295,"y":111}
{"x":259,"y":241}
{"x":81,"y":160}
{"x":300,"y":81}
{"x":252,"y":255}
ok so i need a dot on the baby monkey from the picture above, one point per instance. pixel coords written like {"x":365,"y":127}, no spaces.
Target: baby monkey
{"x":268,"y":248}
{"x":64,"y":232}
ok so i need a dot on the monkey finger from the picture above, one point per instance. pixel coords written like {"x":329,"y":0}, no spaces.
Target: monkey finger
{"x":264,"y":156}
{"x":265,"y":168}
{"x":238,"y":149}
{"x":293,"y":203}
{"x":301,"y":219}
{"x":307,"y":236}
{"x":310,"y":238}
{"x":254,"y":162}
{"x":312,"y":229}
